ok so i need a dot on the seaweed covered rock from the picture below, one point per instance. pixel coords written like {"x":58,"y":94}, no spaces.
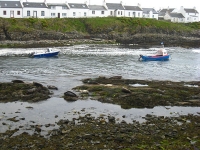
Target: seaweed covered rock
{"x":132,"y":93}
{"x":18,"y":90}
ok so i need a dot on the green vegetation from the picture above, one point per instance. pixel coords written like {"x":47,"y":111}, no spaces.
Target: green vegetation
{"x":94,"y":25}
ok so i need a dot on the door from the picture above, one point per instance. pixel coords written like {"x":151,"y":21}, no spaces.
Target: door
{"x":34,"y":14}
{"x":11,"y":14}
{"x":58,"y":15}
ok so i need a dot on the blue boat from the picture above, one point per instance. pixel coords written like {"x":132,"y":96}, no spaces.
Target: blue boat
{"x":161,"y":55}
{"x":48,"y":53}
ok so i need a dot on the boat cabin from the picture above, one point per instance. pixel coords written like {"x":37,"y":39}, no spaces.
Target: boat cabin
{"x":161,"y":52}
{"x":49,"y":49}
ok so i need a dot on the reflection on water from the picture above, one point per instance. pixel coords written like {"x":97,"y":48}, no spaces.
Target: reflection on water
{"x":82,"y":61}
{"x":54,"y":109}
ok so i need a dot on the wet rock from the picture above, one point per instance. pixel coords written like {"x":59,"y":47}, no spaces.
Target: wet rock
{"x":52,"y":87}
{"x":70,"y":96}
{"x":125,"y":90}
{"x":69,"y":93}
{"x":111,"y":119}
{"x":17,"y":81}
{"x":37,"y":84}
{"x":116,"y":77}
{"x":31,"y":91}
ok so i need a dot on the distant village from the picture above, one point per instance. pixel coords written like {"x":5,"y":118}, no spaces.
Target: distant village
{"x":20,"y":9}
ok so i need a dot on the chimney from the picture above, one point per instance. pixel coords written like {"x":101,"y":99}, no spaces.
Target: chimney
{"x":139,"y":5}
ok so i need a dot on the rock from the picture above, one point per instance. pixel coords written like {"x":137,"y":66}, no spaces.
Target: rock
{"x":111,"y":119}
{"x":17,"y":81}
{"x":116,"y":77}
{"x":125,"y":90}
{"x":31,"y":91}
{"x":52,"y":87}
{"x":37,"y":84}
{"x":69,"y":93}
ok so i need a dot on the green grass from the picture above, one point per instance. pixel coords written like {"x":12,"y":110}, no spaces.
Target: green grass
{"x":96,"y":25}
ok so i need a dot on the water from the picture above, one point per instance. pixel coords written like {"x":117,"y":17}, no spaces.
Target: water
{"x":82,"y":61}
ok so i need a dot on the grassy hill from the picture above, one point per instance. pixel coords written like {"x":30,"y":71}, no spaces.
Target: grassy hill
{"x":95,"y":25}
{"x":137,"y":31}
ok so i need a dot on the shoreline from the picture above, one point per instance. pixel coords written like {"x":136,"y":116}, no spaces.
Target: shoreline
{"x":71,"y":42}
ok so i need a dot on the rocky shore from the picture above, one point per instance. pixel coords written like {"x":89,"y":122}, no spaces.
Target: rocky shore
{"x":138,"y":40}
{"x":105,"y":132}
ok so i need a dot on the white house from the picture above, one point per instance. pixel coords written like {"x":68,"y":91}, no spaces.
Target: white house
{"x":35,"y":10}
{"x":11,"y":9}
{"x":133,"y":11}
{"x":174,"y":17}
{"x":115,"y":9}
{"x":58,"y":10}
{"x":150,"y":13}
{"x":191,"y":15}
{"x":97,"y":11}
{"x":78,"y":10}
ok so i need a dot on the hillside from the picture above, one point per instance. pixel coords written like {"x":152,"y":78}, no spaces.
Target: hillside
{"x":136,"y":31}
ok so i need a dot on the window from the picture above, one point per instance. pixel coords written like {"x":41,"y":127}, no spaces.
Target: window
{"x":53,"y":7}
{"x":74,"y":13}
{"x":28,"y":13}
{"x":93,"y":12}
{"x":64,"y":14}
{"x":111,"y":13}
{"x":4,"y":12}
{"x":53,"y":14}
{"x":153,"y":16}
{"x":102,"y":12}
{"x":18,"y":12}
{"x":85,"y":14}
{"x":138,"y":14}
{"x":118,"y":12}
{"x":129,"y":13}
{"x":42,"y":13}
{"x":64,"y":7}
{"x":121,"y":13}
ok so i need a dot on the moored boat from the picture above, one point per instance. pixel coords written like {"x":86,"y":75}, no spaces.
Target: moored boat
{"x":161,"y":55}
{"x":48,"y":53}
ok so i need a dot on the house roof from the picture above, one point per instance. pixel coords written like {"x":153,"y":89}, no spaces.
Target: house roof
{"x":78,"y":6}
{"x":162,"y":12}
{"x":34,"y":5}
{"x":147,"y":10}
{"x":190,"y":10}
{"x":10,"y":4}
{"x":115,"y":6}
{"x":166,"y":9}
{"x":57,"y":4}
{"x":136,"y":8}
{"x":96,"y":7}
{"x":176,"y":15}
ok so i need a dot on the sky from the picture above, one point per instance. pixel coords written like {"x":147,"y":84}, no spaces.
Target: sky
{"x":157,"y":4}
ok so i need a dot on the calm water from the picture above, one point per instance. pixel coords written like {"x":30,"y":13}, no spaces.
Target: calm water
{"x":79,"y":62}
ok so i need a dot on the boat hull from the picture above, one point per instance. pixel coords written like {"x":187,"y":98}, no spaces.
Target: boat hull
{"x":154,"y":58}
{"x":45,"y":55}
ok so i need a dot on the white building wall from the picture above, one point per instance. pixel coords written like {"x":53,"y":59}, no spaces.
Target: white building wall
{"x":116,"y":13}
{"x":78,"y":13}
{"x":97,"y":13}
{"x":132,"y":13}
{"x":58,"y":12}
{"x":35,"y":12}
{"x":11,"y":12}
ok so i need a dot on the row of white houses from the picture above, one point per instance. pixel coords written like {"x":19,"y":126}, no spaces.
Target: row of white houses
{"x":19,"y":9}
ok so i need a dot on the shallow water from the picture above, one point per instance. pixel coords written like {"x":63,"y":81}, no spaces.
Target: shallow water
{"x":79,"y":62}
